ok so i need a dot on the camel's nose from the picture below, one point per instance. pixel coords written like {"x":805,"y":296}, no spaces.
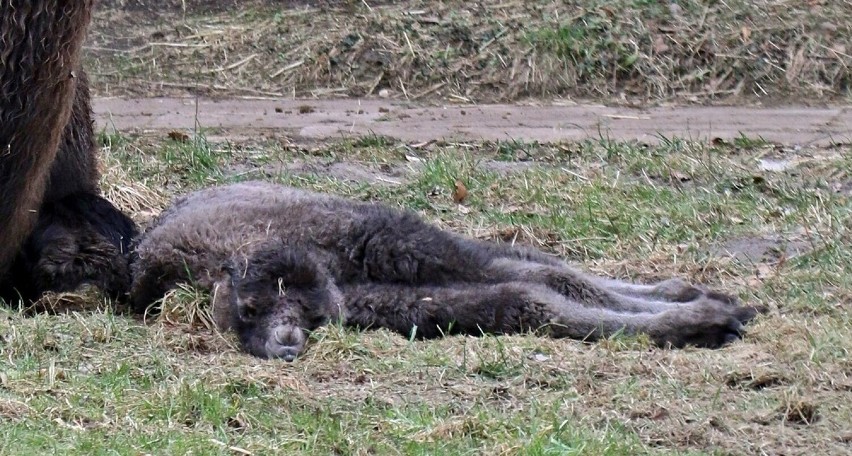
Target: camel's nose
{"x":285,"y":342}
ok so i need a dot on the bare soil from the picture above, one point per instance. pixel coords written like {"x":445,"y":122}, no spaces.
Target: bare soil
{"x":330,"y":119}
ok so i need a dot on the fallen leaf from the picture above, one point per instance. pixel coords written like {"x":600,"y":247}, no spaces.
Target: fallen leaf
{"x":746,"y":32}
{"x":460,"y":192}
{"x":178,"y":136}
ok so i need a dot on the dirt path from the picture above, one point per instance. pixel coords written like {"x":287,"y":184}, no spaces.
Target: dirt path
{"x":319,"y":119}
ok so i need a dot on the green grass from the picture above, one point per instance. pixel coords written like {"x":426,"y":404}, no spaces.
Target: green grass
{"x":138,"y":391}
{"x":194,"y":158}
{"x":590,"y":44}
{"x":101,"y":382}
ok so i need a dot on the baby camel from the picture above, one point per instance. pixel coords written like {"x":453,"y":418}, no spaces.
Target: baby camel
{"x":281,"y":262}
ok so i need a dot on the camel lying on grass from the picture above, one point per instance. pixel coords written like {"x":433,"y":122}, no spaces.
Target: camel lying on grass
{"x":281,"y":262}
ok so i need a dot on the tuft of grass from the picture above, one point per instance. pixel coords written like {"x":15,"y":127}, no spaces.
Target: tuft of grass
{"x":591,"y":45}
{"x":515,"y":150}
{"x":187,"y":304}
{"x":194,"y":159}
{"x":373,"y":141}
{"x":744,"y":141}
{"x":129,"y":178}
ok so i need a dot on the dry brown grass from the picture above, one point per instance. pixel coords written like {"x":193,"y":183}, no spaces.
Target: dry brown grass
{"x":629,"y":51}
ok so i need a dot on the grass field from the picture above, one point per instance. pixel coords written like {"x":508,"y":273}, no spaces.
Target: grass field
{"x":93,"y":381}
{"x":769,"y":223}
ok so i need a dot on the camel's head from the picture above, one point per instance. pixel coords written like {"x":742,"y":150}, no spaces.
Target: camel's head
{"x":277,"y":296}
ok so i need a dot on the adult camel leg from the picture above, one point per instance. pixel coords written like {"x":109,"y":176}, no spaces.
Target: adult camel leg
{"x":40,"y":43}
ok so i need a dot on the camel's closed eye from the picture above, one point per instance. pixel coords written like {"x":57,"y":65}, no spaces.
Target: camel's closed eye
{"x":248,"y":311}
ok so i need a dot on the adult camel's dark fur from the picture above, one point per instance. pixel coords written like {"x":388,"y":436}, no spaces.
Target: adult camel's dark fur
{"x":48,"y":169}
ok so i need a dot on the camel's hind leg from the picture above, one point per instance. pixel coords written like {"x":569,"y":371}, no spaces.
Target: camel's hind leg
{"x":518,"y":307}
{"x":409,"y":251}
{"x":670,"y":291}
{"x":443,"y":257}
{"x":509,"y":260}
{"x":611,"y":294}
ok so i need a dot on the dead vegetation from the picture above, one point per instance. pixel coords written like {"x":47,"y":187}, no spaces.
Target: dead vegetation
{"x":628,"y":51}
